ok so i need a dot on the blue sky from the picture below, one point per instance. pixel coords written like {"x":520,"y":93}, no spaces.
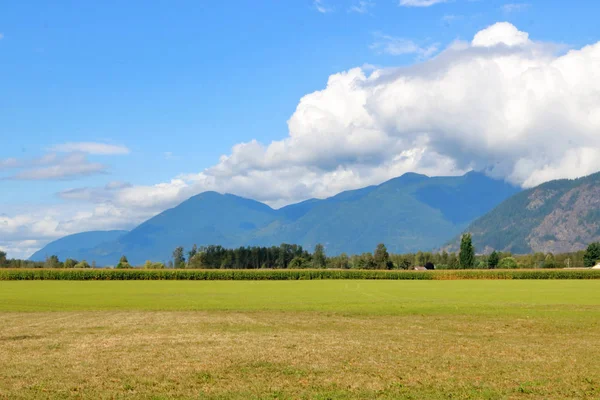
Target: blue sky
{"x":99,"y":97}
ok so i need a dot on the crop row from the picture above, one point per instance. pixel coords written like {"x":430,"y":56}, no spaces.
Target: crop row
{"x":140,"y":274}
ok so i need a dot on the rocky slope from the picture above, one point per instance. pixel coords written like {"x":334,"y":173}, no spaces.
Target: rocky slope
{"x":558,"y":216}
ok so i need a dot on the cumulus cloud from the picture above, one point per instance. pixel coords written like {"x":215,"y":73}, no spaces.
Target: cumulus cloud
{"x":502,"y":33}
{"x":502,"y":103}
{"x":420,"y":3}
{"x":90,"y":148}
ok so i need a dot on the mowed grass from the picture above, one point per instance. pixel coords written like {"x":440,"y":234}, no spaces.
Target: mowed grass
{"x":300,"y":339}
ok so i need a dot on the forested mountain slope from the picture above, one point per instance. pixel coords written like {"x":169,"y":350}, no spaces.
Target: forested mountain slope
{"x":409,"y":213}
{"x":557,"y":216}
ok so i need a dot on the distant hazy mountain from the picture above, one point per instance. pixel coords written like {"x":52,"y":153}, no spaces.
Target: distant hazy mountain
{"x":557,"y":216}
{"x":76,"y":246}
{"x":409,"y":213}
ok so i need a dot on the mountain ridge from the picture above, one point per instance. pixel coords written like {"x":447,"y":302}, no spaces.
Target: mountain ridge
{"x":405,"y":213}
{"x":555,"y":217}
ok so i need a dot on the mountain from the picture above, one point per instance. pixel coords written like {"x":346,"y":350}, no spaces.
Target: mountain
{"x":208,"y":218}
{"x":409,"y":213}
{"x":77,"y":245}
{"x":557,"y":216}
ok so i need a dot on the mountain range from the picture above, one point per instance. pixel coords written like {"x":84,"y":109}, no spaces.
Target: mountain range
{"x":409,"y":213}
{"x":556,"y":217}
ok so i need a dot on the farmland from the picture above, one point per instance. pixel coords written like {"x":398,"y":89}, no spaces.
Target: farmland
{"x":313,"y":339}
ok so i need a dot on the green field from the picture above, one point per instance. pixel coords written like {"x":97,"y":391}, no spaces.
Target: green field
{"x":457,"y":339}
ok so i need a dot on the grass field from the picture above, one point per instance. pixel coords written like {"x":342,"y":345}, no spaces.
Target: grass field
{"x":300,"y":339}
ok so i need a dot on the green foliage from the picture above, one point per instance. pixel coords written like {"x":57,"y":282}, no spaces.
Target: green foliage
{"x":308,"y":274}
{"x":53,"y":262}
{"x":178,"y":258}
{"x":3,"y":261}
{"x":467,"y":252}
{"x":340,"y":262}
{"x":299,"y":263}
{"x":381,"y":258}
{"x":493,"y":260}
{"x":507,"y":263}
{"x":83,"y":264}
{"x":550,"y":261}
{"x":192,"y":252}
{"x":592,"y":255}
{"x":70,"y":263}
{"x":123,"y":263}
{"x":319,"y":259}
{"x":153,"y":265}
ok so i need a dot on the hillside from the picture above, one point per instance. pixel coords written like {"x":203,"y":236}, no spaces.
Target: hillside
{"x":409,"y":213}
{"x":208,"y":218}
{"x":76,"y":246}
{"x":557,"y":216}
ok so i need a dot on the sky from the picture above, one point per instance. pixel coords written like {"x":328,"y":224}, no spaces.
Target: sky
{"x":111,"y":112}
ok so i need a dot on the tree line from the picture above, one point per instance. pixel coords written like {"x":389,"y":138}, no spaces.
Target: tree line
{"x":291,"y":256}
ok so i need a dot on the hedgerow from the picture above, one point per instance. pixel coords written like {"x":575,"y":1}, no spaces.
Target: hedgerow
{"x":304,"y":274}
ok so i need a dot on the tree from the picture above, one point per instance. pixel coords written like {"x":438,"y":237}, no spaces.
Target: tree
{"x":493,"y":260}
{"x":70,"y":263}
{"x":592,"y":255}
{"x":197,"y":261}
{"x":419,"y":259}
{"x":192,"y":252}
{"x":3,"y":261}
{"x":319,"y":259}
{"x":153,"y":265}
{"x":123,"y":263}
{"x":82,"y":264}
{"x":453,"y":262}
{"x":467,"y":252}
{"x":381,"y":256}
{"x":178,"y":258}
{"x":53,"y":262}
{"x":508,"y":263}
{"x":298,"y":263}
{"x":550,"y":261}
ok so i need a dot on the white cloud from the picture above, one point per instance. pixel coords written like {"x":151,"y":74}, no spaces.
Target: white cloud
{"x":502,"y":103}
{"x":420,"y":3}
{"x":90,"y":148}
{"x":515,"y":7}
{"x":321,"y":7}
{"x":32,"y":228}
{"x":52,"y":167}
{"x":9,"y":163}
{"x":502,"y":33}
{"x":396,"y":46}
{"x":362,"y":6}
